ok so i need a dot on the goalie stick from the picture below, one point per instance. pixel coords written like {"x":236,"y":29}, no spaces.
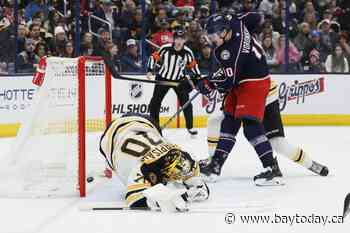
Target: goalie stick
{"x":346,"y":210}
{"x":120,"y":206}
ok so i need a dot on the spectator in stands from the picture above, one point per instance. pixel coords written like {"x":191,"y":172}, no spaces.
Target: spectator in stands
{"x":315,"y":44}
{"x":87,"y":48}
{"x":344,"y":43}
{"x":315,"y":65}
{"x":52,"y":22}
{"x":131,"y":61}
{"x":34,"y":33}
{"x":68,"y":49}
{"x":205,"y":59}
{"x":100,"y":45}
{"x":308,"y":8}
{"x":164,"y":35}
{"x":57,"y":44}
{"x":293,"y":53}
{"x":27,"y":58}
{"x":128,"y":13}
{"x":248,"y":6}
{"x":270,"y":52}
{"x":328,"y":37}
{"x":113,"y":54}
{"x":3,"y":68}
{"x":194,"y":34}
{"x":266,"y":7}
{"x":204,"y":13}
{"x":311,"y":19}
{"x":38,"y":18}
{"x":179,"y":19}
{"x":267,"y":29}
{"x":336,"y":62}
{"x":302,"y":40}
{"x":41,"y":50}
{"x":21,"y":36}
{"x":327,"y":14}
{"x":184,"y":3}
{"x":34,"y":7}
{"x":156,"y":17}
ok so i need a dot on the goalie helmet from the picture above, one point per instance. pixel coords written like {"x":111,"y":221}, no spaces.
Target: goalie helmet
{"x":176,"y":165}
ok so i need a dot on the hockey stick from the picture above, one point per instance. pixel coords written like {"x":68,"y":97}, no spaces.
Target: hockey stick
{"x":115,"y":74}
{"x":115,"y":206}
{"x":346,"y":210}
{"x":164,"y":83}
{"x":179,"y":111}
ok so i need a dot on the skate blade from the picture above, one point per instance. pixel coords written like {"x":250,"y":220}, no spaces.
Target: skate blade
{"x":277,"y":181}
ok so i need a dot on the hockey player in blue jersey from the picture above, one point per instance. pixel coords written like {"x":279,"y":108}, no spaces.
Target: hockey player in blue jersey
{"x":246,"y":83}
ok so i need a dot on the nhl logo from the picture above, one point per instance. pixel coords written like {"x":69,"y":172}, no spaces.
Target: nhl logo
{"x":135,"y":90}
{"x":225,"y":55}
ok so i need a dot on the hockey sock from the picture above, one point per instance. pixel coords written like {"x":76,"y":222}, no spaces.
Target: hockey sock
{"x":254,"y":132}
{"x":213,"y":128}
{"x":292,"y":152}
{"x":228,"y":130}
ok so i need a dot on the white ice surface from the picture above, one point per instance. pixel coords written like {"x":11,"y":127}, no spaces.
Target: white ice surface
{"x":303,"y":194}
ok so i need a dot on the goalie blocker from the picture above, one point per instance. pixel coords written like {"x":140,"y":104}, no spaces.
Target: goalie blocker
{"x":157,"y":173}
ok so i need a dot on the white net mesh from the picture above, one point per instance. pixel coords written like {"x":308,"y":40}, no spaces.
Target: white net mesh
{"x":44,"y":159}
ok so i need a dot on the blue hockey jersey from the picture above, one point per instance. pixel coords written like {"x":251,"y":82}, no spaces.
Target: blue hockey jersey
{"x":242,"y":57}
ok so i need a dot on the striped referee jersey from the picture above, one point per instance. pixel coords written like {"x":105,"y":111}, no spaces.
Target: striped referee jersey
{"x":173,"y":63}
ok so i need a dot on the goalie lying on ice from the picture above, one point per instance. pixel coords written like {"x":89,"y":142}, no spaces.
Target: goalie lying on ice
{"x":157,"y":173}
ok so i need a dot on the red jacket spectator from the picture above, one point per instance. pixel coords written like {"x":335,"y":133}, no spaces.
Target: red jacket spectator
{"x":182,"y":3}
{"x":163,"y":36}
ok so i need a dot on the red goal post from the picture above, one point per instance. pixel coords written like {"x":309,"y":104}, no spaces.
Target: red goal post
{"x":56,"y":147}
{"x":82,"y":114}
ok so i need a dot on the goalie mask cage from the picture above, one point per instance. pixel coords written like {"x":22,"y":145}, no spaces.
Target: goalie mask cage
{"x":57,"y":145}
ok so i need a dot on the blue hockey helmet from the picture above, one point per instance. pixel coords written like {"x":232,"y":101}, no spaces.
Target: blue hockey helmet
{"x":217,"y":23}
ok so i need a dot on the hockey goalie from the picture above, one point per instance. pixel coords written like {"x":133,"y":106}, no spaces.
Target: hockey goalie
{"x":158,"y":174}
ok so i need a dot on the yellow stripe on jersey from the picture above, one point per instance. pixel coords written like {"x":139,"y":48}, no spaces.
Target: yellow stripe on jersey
{"x":134,"y":198}
{"x":135,"y":187}
{"x":273,"y":88}
{"x":299,"y":157}
{"x":213,"y":139}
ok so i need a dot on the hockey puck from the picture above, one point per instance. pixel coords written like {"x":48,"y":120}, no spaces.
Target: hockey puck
{"x":90,"y":179}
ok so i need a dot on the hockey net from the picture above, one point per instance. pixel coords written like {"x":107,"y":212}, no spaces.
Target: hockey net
{"x":56,"y":148}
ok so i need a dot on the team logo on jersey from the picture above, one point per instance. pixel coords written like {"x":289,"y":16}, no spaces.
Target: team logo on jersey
{"x":225,"y":55}
{"x":136,"y":90}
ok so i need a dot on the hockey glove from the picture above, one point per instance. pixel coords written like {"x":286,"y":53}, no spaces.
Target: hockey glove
{"x":220,"y":81}
{"x":197,"y":189}
{"x":205,"y":87}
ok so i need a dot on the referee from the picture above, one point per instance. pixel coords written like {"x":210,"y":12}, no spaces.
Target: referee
{"x":173,"y":59}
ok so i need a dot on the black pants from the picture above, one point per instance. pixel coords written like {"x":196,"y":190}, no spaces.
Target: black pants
{"x":182,"y":92}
